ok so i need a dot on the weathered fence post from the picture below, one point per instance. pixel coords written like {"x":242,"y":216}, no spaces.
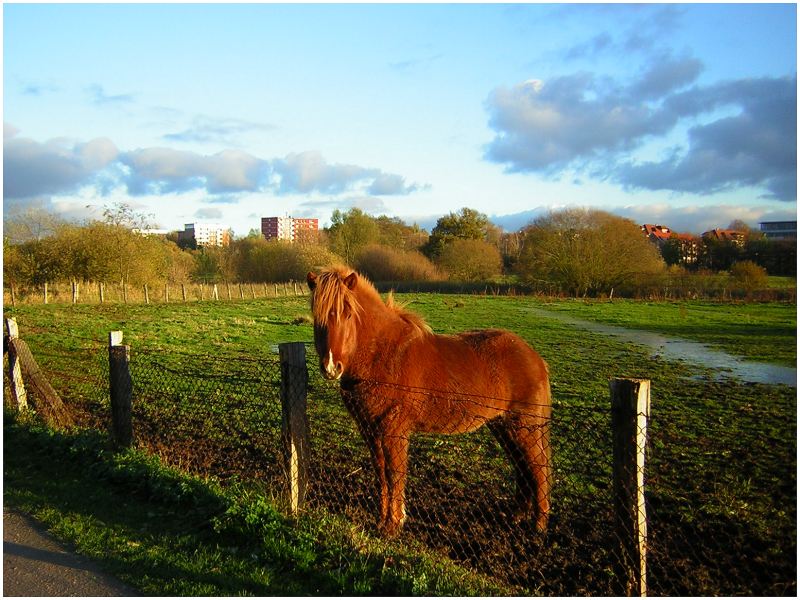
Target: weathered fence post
{"x":75,"y":292}
{"x":121,"y":388}
{"x":101,"y":292}
{"x":166,"y":292}
{"x":45,"y":292}
{"x":630,"y":410}
{"x":18,"y":393}
{"x":294,"y":434}
{"x":146,"y":295}
{"x":215,"y":292}
{"x":183,"y":291}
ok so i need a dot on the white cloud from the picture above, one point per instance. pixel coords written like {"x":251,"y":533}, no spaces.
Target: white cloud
{"x":587,"y":124}
{"x":307,"y":172}
{"x":56,"y":166}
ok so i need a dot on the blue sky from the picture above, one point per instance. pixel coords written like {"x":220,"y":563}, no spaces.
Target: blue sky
{"x":677,"y":114}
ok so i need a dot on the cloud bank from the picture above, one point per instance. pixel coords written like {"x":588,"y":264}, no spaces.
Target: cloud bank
{"x":594,"y":125}
{"x":61,"y":166}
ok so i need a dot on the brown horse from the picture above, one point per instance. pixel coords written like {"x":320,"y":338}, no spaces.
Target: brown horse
{"x":398,"y":377}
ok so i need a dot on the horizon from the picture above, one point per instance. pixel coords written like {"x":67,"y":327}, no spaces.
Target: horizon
{"x":677,"y":115}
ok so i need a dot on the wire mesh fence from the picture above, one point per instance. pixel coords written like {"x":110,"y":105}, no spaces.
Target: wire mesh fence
{"x":720,"y":484}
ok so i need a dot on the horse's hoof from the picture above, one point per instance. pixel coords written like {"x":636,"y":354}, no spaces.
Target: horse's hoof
{"x":389,"y":530}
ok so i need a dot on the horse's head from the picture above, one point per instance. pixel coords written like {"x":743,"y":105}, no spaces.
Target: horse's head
{"x":337,"y":314}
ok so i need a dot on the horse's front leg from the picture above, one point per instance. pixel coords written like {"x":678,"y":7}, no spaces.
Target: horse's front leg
{"x":395,"y":449}
{"x":370,"y":434}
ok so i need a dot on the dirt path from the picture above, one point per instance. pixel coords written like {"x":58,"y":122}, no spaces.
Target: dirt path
{"x":34,"y":564}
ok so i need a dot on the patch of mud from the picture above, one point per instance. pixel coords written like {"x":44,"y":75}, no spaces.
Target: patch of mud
{"x":677,"y":349}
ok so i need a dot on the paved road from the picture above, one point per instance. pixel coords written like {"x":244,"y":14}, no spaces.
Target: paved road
{"x":34,"y":564}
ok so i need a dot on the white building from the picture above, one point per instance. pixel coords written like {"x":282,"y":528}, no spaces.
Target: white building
{"x":206,"y":234}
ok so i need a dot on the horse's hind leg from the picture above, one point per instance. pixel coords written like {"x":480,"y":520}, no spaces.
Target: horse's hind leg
{"x":536,"y":433}
{"x":526,"y":444}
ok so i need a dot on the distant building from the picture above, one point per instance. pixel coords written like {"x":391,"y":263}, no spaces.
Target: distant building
{"x":206,"y":234}
{"x":779,"y":230}
{"x":688,"y":246}
{"x":725,"y":235}
{"x":288,"y":228}
{"x":149,"y":232}
{"x":656,"y":232}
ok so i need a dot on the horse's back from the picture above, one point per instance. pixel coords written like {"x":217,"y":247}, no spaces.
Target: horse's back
{"x":512,"y":363}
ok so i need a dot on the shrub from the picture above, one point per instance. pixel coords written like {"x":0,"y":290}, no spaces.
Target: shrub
{"x":748,"y":275}
{"x":382,"y":263}
{"x":470,"y":260}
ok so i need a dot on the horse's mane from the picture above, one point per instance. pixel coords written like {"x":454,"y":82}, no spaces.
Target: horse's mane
{"x":332,"y":295}
{"x":411,"y":318}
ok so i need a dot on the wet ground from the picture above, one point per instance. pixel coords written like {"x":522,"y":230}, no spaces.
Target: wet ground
{"x":677,"y":349}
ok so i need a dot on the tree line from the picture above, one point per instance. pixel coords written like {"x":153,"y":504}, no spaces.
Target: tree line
{"x":575,"y":251}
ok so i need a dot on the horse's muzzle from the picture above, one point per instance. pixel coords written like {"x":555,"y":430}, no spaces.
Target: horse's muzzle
{"x":330,"y":368}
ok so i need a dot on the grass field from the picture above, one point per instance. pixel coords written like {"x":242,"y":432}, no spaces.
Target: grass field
{"x":722,"y":458}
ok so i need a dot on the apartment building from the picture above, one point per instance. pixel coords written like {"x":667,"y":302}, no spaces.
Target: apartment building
{"x":206,"y":234}
{"x":288,"y":228}
{"x":725,"y":235}
{"x":779,"y":230}
{"x":688,"y":246}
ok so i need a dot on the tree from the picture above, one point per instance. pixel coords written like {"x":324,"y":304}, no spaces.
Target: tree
{"x":31,"y":223}
{"x":586,"y":251}
{"x":351,"y":231}
{"x":467,"y":224}
{"x":394,"y":232}
{"x":749,"y":232}
{"x":470,"y":260}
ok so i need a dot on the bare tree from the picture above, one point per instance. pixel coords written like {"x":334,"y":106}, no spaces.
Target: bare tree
{"x":586,"y":251}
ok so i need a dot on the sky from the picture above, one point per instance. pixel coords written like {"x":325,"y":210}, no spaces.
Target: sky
{"x":677,"y":114}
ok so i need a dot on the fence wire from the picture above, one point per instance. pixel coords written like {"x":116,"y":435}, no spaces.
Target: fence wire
{"x":721,"y":516}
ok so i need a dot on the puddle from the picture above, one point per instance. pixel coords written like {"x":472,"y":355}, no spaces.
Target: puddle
{"x":677,"y":349}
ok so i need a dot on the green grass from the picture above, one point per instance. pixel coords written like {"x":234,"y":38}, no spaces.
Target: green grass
{"x":169,"y":534}
{"x":722,"y":453}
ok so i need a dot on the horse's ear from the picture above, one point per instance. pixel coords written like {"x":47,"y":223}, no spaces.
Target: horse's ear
{"x":311,"y":278}
{"x":351,"y":280}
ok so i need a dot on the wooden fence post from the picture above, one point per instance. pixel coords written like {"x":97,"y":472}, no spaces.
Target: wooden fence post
{"x":121,"y":388}
{"x":215,"y":292}
{"x":75,"y":292}
{"x":146,"y":295}
{"x":45,"y":292}
{"x":183,"y":291}
{"x":294,"y":434}
{"x":18,"y":393}
{"x":166,"y":292}
{"x":630,"y":410}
